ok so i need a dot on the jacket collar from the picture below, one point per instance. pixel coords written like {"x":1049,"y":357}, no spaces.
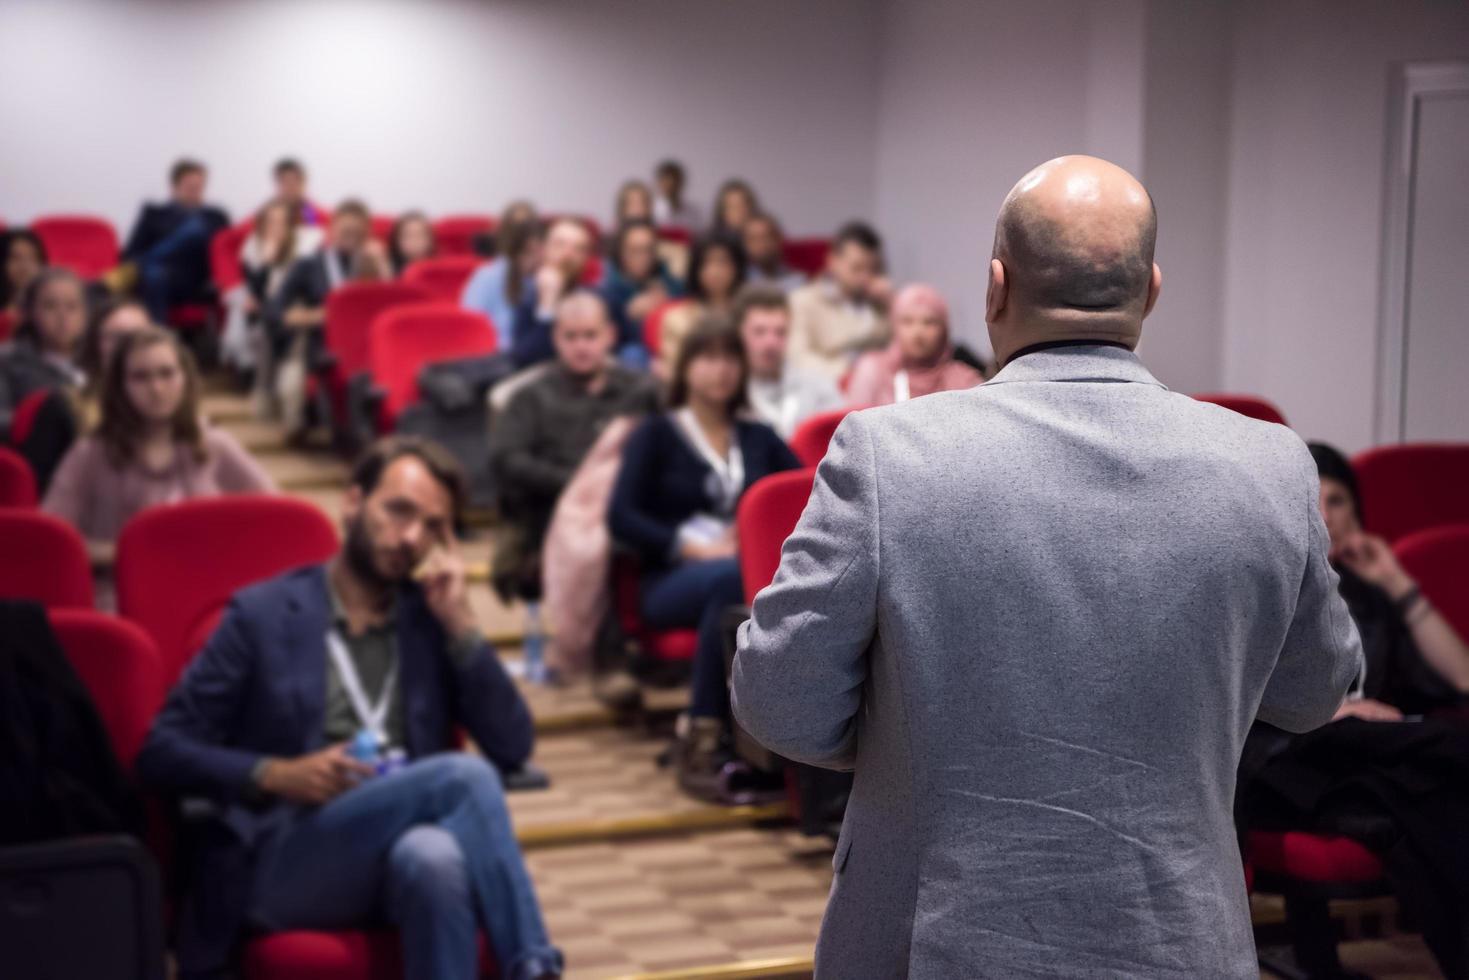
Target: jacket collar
{"x":1079,"y":362}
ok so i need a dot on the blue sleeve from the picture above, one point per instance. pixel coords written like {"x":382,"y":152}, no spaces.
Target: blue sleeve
{"x":188,"y":748}
{"x":478,"y":292}
{"x":491,"y":709}
{"x":532,"y":336}
{"x":630,"y":519}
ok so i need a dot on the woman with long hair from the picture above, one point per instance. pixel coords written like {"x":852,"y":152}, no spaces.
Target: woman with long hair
{"x":498,"y":286}
{"x":22,"y":257}
{"x":412,"y":238}
{"x":716,"y":273}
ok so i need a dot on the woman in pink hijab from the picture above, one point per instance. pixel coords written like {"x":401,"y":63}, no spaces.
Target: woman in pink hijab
{"x":919,"y":361}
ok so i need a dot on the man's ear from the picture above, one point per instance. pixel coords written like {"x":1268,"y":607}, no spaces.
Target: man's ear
{"x":1155,"y":287}
{"x":997,"y":292}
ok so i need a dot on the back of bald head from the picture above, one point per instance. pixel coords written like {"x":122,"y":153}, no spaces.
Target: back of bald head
{"x":1076,"y":236}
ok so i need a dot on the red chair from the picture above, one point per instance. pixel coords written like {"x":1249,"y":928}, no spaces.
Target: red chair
{"x":1247,"y":405}
{"x":807,"y":255}
{"x":23,"y":419}
{"x":303,"y":955}
{"x":1412,"y":487}
{"x":8,"y":322}
{"x":653,"y":325}
{"x":443,"y":276}
{"x":120,"y":666}
{"x":661,"y":646}
{"x":454,"y":234}
{"x":224,"y":256}
{"x":382,"y":227}
{"x":1438,"y":560}
{"x":86,"y":245}
{"x":766,"y":517}
{"x":17,"y":482}
{"x":178,"y":566}
{"x":45,"y":561}
{"x":676,"y":234}
{"x":350,"y":310}
{"x":812,"y":436}
{"x":406,"y":339}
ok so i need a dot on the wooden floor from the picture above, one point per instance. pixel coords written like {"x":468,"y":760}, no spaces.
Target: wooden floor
{"x":635,"y":878}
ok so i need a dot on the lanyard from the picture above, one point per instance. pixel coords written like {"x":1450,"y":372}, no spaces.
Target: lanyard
{"x":372,"y":716}
{"x":900,"y":387}
{"x":729,"y":471}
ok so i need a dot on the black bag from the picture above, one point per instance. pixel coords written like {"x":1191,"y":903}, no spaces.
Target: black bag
{"x":453,"y":412}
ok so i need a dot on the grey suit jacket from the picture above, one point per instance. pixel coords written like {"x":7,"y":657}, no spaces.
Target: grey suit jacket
{"x":1037,"y":618}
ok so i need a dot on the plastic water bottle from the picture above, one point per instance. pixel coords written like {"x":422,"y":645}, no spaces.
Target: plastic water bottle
{"x":534,"y":648}
{"x":364,"y":748}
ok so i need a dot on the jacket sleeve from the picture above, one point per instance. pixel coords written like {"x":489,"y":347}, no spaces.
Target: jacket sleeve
{"x":629,"y":518}
{"x":521,"y":471}
{"x":802,"y":656}
{"x":532,"y":335}
{"x":188,"y":748}
{"x":1322,"y":653}
{"x":490,"y":707}
{"x":141,"y":237}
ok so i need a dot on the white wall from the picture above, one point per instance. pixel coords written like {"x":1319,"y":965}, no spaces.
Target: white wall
{"x":448,"y":105}
{"x":1303,"y":236}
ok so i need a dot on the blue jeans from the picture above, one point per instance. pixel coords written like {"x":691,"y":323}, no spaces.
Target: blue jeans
{"x":161,"y":280}
{"x":696,"y":593}
{"x":428,"y":848}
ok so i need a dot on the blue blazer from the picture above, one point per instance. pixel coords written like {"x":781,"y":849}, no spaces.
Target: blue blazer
{"x":259,"y":689}
{"x":663,"y":482}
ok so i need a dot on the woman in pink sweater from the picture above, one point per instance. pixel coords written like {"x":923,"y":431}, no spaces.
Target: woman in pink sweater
{"x":919,"y":361}
{"x":151,"y":446}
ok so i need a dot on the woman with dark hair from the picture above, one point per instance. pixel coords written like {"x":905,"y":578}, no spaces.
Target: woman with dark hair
{"x":734,"y":205}
{"x":634,"y":203}
{"x":636,"y":283}
{"x":497,"y":287}
{"x":716,"y":273}
{"x":112,"y":321}
{"x":1380,"y":773}
{"x":22,"y":257}
{"x":150,"y":447}
{"x":412,"y":238}
{"x":43,"y":353}
{"x":683,"y":473}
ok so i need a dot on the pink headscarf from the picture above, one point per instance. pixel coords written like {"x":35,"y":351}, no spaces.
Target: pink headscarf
{"x":872,"y":379}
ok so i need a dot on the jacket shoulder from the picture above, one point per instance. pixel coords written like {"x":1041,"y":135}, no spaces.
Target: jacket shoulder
{"x":270,"y":598}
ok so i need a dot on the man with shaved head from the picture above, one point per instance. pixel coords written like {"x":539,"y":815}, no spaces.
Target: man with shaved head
{"x":1038,"y":618}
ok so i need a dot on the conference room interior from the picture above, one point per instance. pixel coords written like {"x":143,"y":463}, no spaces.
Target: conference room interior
{"x":1306,"y":160}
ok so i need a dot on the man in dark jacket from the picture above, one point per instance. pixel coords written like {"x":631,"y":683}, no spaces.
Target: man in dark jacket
{"x":374,"y":654}
{"x":170,"y":243}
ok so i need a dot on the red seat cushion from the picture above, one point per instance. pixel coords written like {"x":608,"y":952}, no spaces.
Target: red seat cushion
{"x":352,"y":955}
{"x":1313,"y":857}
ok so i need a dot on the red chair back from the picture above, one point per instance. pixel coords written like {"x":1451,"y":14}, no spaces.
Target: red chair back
{"x":1248,"y":405}
{"x":807,"y":255}
{"x":1438,"y":560}
{"x":120,"y":666}
{"x":675,"y":233}
{"x":766,"y":517}
{"x":17,"y":482}
{"x":812,"y":436}
{"x":350,"y":310}
{"x":45,"y":561}
{"x":8,"y":321}
{"x":382,"y":227}
{"x":178,"y":566}
{"x":407,"y":338}
{"x":224,"y":256}
{"x":443,"y":276}
{"x":653,"y":325}
{"x":84,"y":244}
{"x":1413,"y":487}
{"x":454,"y":234}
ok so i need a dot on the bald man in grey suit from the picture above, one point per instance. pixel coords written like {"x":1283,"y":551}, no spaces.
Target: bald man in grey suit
{"x":1038,"y":618}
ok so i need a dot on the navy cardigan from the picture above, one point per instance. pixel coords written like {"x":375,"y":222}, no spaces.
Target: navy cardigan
{"x":664,"y":482}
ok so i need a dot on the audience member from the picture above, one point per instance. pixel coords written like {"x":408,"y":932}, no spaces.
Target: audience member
{"x":169,"y":243}
{"x":634,"y":203}
{"x":637,"y":282}
{"x":498,"y":286}
{"x":294,"y":315}
{"x":716,"y":273}
{"x":920,"y":359}
{"x":111,"y":322}
{"x":412,"y":239}
{"x":538,"y":441}
{"x":781,"y":396}
{"x":43,"y":353}
{"x":841,"y":314}
{"x":22,"y":257}
{"x":683,"y":474}
{"x":151,"y":445}
{"x":734,"y":205}
{"x":290,"y":187}
{"x":316,"y":839}
{"x":564,"y":266}
{"x":764,"y":243}
{"x":670,"y":207}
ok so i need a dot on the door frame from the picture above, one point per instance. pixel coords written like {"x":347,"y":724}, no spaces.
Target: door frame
{"x":1410,"y":85}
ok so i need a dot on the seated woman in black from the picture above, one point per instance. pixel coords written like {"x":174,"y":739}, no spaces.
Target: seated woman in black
{"x":1379,"y":773}
{"x":683,"y":473}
